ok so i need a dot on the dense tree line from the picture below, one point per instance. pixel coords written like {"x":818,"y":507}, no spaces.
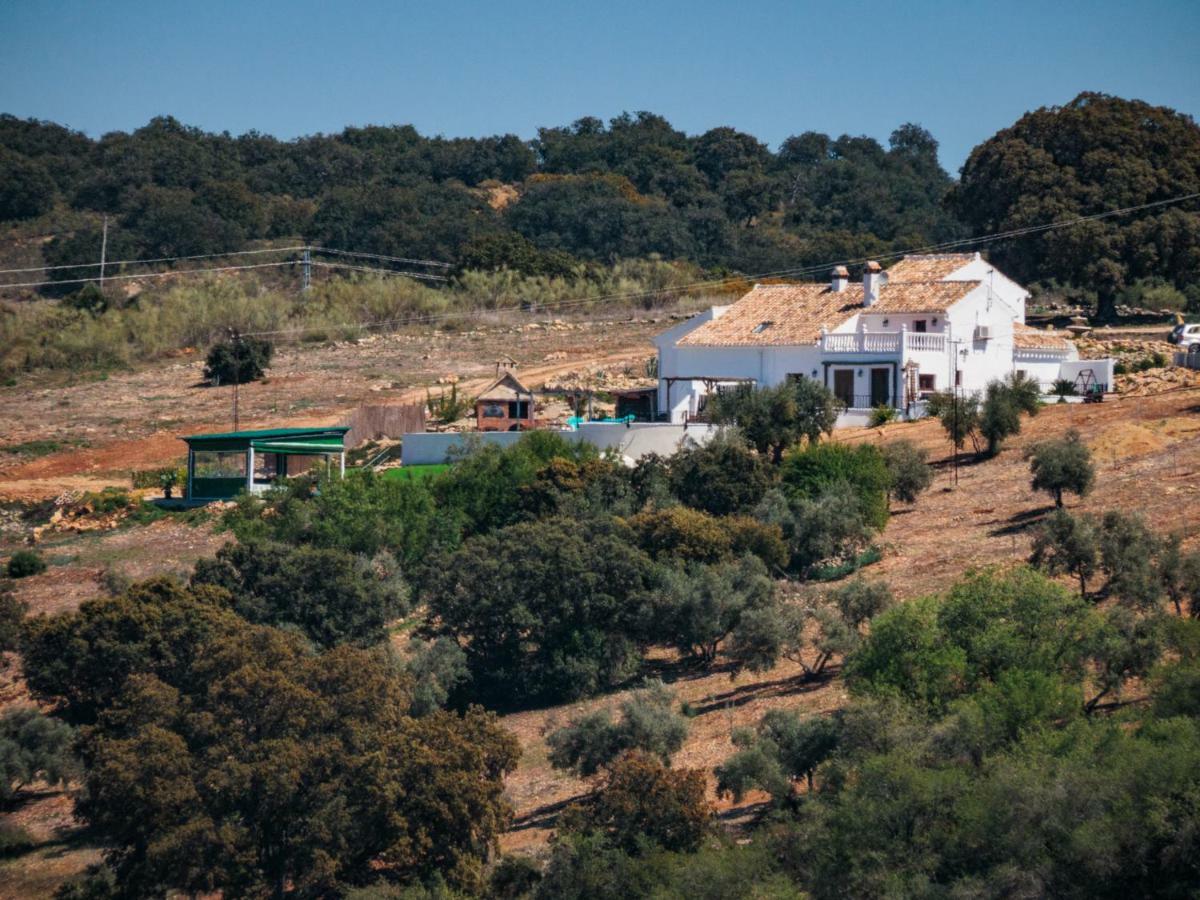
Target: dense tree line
{"x":591,"y":191}
{"x":634,"y":187}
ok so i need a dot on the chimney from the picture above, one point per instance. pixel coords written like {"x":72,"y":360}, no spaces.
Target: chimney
{"x":839,"y":279}
{"x":874,"y":278}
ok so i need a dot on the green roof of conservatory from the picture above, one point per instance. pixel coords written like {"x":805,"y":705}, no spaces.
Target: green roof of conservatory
{"x":330,"y":444}
{"x":301,"y":435}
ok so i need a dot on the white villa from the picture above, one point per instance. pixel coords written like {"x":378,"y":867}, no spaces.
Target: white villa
{"x":924,"y":325}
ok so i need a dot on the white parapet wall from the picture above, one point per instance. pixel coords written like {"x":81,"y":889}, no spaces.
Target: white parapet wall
{"x":630,"y":442}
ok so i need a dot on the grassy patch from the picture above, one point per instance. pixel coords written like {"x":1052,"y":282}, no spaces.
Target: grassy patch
{"x":145,"y":513}
{"x":416,"y":473}
{"x":40,"y":448}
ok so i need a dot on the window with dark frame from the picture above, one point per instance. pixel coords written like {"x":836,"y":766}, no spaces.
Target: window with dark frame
{"x":927,"y":384}
{"x":919,"y":326}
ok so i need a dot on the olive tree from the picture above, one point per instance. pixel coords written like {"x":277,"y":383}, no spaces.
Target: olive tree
{"x":648,"y":723}
{"x":1062,"y":465}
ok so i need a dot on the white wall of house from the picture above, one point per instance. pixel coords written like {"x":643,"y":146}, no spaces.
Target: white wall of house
{"x":669,"y":354}
{"x":981,"y":360}
{"x":1043,"y":366}
{"x":1009,"y":291}
{"x":761,"y":365}
{"x":1102,"y":370}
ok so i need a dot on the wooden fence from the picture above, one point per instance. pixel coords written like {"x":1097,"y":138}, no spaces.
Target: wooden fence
{"x":371,"y":423}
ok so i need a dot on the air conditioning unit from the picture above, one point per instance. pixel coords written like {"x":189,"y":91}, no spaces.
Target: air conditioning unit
{"x":983,"y":332}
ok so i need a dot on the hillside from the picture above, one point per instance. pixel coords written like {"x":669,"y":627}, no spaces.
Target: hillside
{"x":1147,"y":450}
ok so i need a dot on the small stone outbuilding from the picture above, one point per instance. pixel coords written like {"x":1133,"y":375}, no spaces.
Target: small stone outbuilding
{"x":507,"y":405}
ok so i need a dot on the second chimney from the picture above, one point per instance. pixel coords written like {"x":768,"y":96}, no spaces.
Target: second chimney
{"x":874,"y":278}
{"x":839,"y":279}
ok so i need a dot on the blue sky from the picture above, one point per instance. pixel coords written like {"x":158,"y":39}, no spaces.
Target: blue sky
{"x":453,"y":67}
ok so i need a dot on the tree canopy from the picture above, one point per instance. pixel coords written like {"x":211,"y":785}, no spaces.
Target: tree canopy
{"x":1094,"y":154}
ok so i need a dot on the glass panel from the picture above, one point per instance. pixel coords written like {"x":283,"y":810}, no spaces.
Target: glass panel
{"x":220,"y":464}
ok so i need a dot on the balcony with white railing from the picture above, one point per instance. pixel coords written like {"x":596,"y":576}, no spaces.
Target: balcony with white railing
{"x":925,"y":341}
{"x":886,"y":342}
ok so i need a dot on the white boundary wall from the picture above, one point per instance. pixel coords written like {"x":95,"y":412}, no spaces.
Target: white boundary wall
{"x":631,"y":442}
{"x":1101,"y":368}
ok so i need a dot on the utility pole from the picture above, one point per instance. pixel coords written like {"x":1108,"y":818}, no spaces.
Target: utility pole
{"x":103,"y":250}
{"x":955,"y":400}
{"x":236,"y":337}
{"x":307,"y":270}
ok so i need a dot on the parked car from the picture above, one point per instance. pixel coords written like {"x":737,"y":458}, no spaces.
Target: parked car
{"x":1185,"y":335}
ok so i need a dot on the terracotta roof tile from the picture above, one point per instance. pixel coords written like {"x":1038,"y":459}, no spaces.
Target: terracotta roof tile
{"x":1026,"y":337}
{"x":506,"y":387}
{"x":936,"y":296}
{"x":793,"y":314}
{"x":778,"y":314}
{"x":928,"y":267}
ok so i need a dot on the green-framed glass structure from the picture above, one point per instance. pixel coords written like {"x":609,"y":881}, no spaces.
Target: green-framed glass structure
{"x":222,"y":464}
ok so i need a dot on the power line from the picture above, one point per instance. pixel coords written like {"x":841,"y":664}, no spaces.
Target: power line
{"x":422,"y":275}
{"x":627,"y":295}
{"x":144,"y":262}
{"x":822,"y":267}
{"x":169,"y":274}
{"x":382,"y":256}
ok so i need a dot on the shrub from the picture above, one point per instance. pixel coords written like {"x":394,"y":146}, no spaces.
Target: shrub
{"x":107,"y":501}
{"x":24,"y":563}
{"x":437,"y":668}
{"x":774,"y":418}
{"x":447,"y":408}
{"x":1128,"y":550}
{"x":680,"y":532}
{"x":643,"y":801}
{"x":330,"y":595}
{"x":1068,"y":544}
{"x":155,"y":478}
{"x":958,"y":415}
{"x":1065,"y":387}
{"x":881,"y":415}
{"x":810,"y":635}
{"x":33,"y":747}
{"x":15,"y":840}
{"x":238,"y":361}
{"x":782,"y":749}
{"x":809,"y":472}
{"x":908,"y":471}
{"x":761,"y":539}
{"x":1062,"y":465}
{"x":701,"y":606}
{"x":722,"y":477}
{"x":648,"y":723}
{"x":934,"y":650}
{"x":830,"y":527}
{"x":546,"y":610}
{"x":1003,"y":403}
{"x":12,"y":614}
